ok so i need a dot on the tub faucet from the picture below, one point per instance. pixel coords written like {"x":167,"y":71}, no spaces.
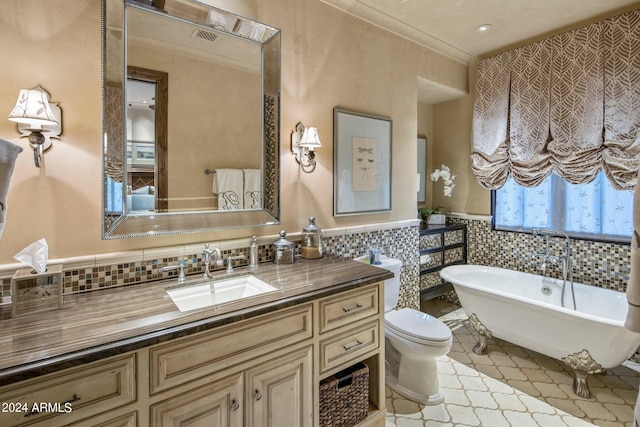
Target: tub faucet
{"x":544,"y":254}
{"x":207,"y":256}
{"x":564,"y":258}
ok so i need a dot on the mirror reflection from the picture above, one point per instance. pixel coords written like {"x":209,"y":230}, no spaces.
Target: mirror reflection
{"x":200,"y":119}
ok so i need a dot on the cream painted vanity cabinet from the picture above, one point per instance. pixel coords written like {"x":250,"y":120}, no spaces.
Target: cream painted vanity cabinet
{"x":264,"y":370}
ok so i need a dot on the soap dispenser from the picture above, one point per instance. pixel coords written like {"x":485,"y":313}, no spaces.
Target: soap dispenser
{"x":253,"y":253}
{"x":311,"y":240}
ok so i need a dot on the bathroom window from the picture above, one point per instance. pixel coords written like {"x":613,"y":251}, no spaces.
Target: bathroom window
{"x":114,"y":196}
{"x":592,"y":211}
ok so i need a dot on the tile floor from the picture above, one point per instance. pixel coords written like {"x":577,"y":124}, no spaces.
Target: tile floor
{"x":513,"y":386}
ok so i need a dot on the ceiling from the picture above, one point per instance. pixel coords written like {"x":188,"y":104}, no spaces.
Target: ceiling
{"x":449,"y":26}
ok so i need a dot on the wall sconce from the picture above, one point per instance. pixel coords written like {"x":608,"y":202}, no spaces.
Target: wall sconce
{"x":304,"y":140}
{"x":35,"y":114}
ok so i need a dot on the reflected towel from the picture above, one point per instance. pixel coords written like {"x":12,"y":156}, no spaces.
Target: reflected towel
{"x":633,"y":287}
{"x":8,"y":154}
{"x":227,"y":184}
{"x":252,"y":187}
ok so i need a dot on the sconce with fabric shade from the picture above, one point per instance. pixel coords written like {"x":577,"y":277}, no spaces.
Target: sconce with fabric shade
{"x":34,"y":115}
{"x":304,"y":140}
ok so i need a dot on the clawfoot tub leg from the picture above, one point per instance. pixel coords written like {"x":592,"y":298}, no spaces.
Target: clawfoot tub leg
{"x":580,"y":385}
{"x":582,"y":364}
{"x":476,"y":324}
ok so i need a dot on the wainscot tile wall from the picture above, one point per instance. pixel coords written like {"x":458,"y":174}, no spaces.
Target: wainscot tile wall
{"x":599,"y":264}
{"x":90,"y":273}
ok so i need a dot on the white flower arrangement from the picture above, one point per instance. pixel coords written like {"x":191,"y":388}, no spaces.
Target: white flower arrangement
{"x":447,"y":178}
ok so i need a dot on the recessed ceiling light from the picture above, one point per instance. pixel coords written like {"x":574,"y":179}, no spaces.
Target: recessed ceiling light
{"x":483,"y":28}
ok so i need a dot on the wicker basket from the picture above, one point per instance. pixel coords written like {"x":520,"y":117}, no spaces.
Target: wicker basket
{"x":344,"y":397}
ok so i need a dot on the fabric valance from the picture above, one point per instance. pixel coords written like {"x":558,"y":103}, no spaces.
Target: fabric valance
{"x":569,"y":104}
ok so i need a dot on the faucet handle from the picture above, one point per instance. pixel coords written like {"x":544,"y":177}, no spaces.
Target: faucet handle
{"x":230,"y":262}
{"x":181,"y":265}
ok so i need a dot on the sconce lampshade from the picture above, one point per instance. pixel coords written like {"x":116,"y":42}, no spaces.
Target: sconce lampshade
{"x":310,"y":138}
{"x":32,"y":108}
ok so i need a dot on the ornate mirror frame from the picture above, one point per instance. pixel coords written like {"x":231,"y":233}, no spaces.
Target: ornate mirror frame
{"x":118,"y":224}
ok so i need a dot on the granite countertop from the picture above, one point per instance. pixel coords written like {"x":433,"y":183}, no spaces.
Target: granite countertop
{"x":104,"y":323}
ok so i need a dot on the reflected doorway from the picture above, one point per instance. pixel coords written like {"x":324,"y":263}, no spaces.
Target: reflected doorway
{"x":146,"y":149}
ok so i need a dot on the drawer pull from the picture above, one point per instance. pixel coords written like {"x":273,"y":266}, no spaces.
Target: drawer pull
{"x":234,"y":405}
{"x":257,"y":395}
{"x":35,"y":411}
{"x":347,"y":348}
{"x":346,"y":310}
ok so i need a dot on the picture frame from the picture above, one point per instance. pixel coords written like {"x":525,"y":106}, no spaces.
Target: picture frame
{"x":141,"y":154}
{"x":361,"y":163}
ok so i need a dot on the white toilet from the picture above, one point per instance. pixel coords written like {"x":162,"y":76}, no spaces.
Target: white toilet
{"x":413,"y":342}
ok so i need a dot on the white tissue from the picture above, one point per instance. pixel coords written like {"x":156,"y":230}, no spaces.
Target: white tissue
{"x":35,"y":255}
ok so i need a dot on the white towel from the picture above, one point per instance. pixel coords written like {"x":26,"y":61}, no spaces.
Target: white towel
{"x":252,"y":188}
{"x":8,"y":154}
{"x":227,"y":184}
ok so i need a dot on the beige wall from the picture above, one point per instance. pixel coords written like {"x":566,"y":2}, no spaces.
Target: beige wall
{"x":329,"y":59}
{"x":425,"y":130}
{"x":204,"y":132}
{"x":452,"y":146}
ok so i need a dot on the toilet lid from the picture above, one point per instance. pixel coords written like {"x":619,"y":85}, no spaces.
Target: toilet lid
{"x":417,"y":326}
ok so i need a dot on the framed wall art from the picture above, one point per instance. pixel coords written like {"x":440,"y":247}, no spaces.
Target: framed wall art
{"x":361,"y":163}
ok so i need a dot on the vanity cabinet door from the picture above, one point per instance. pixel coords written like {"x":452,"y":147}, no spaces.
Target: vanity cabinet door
{"x":214,"y":405}
{"x":280,"y":392}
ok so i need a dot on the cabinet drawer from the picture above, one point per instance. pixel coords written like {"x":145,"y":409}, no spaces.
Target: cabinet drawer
{"x":348,"y":345}
{"x":348,"y":307}
{"x":70,"y":395}
{"x":189,"y":358}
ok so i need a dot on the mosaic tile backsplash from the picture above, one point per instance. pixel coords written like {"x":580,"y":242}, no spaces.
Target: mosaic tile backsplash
{"x":599,"y":264}
{"x":400,"y":242}
{"x":594,"y":263}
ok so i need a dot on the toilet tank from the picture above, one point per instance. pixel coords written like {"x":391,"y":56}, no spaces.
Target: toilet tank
{"x":391,"y":286}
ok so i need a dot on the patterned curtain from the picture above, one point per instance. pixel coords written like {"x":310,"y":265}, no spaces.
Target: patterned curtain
{"x":577,"y":97}
{"x":621,"y":46}
{"x":569,"y":104}
{"x":529,"y":113}
{"x":490,"y":157}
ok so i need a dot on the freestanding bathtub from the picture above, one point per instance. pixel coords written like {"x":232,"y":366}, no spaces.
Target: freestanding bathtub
{"x":525,"y":309}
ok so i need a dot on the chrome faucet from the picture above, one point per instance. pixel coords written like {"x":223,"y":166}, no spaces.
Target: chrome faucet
{"x":564,"y":258}
{"x":545,"y":254}
{"x":207,"y":256}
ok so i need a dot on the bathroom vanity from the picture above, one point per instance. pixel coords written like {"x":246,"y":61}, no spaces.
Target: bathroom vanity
{"x":129,"y":357}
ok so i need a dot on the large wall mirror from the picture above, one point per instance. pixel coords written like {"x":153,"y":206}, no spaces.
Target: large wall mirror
{"x":190,"y":118}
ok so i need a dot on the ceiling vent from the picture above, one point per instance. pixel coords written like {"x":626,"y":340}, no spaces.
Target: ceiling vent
{"x":204,"y":35}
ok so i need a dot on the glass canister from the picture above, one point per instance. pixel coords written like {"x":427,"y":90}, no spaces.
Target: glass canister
{"x":311,"y":240}
{"x":283,"y":250}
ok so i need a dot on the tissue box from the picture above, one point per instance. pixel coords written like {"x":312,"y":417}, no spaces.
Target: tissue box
{"x":33,"y":292}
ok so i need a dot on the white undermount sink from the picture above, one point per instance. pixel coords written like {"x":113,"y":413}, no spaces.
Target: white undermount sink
{"x":218,"y":291}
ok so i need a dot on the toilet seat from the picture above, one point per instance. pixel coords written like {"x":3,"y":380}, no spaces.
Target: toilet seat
{"x":418,"y":327}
